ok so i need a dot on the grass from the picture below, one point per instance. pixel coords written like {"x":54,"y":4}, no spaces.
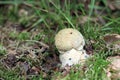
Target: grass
{"x":52,"y":16}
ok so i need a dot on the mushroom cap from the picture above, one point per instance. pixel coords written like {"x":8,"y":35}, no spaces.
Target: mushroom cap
{"x":68,"y":39}
{"x":73,"y":57}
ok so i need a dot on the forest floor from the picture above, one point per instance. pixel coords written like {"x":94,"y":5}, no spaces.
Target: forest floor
{"x":28,"y":28}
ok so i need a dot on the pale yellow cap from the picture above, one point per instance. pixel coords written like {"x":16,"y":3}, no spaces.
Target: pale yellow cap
{"x":69,"y":38}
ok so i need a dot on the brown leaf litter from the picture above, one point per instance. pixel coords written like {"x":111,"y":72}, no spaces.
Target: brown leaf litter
{"x":112,"y":42}
{"x":30,"y":56}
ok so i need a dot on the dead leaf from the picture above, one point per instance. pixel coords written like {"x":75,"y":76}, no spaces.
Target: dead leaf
{"x":110,"y":38}
{"x":113,"y":70}
{"x":112,"y":42}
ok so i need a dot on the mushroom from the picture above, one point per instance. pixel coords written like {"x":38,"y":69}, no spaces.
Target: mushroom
{"x":73,"y":57}
{"x":113,"y":71}
{"x":68,"y":39}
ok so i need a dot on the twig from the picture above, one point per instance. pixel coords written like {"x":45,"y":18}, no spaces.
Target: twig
{"x":41,"y":43}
